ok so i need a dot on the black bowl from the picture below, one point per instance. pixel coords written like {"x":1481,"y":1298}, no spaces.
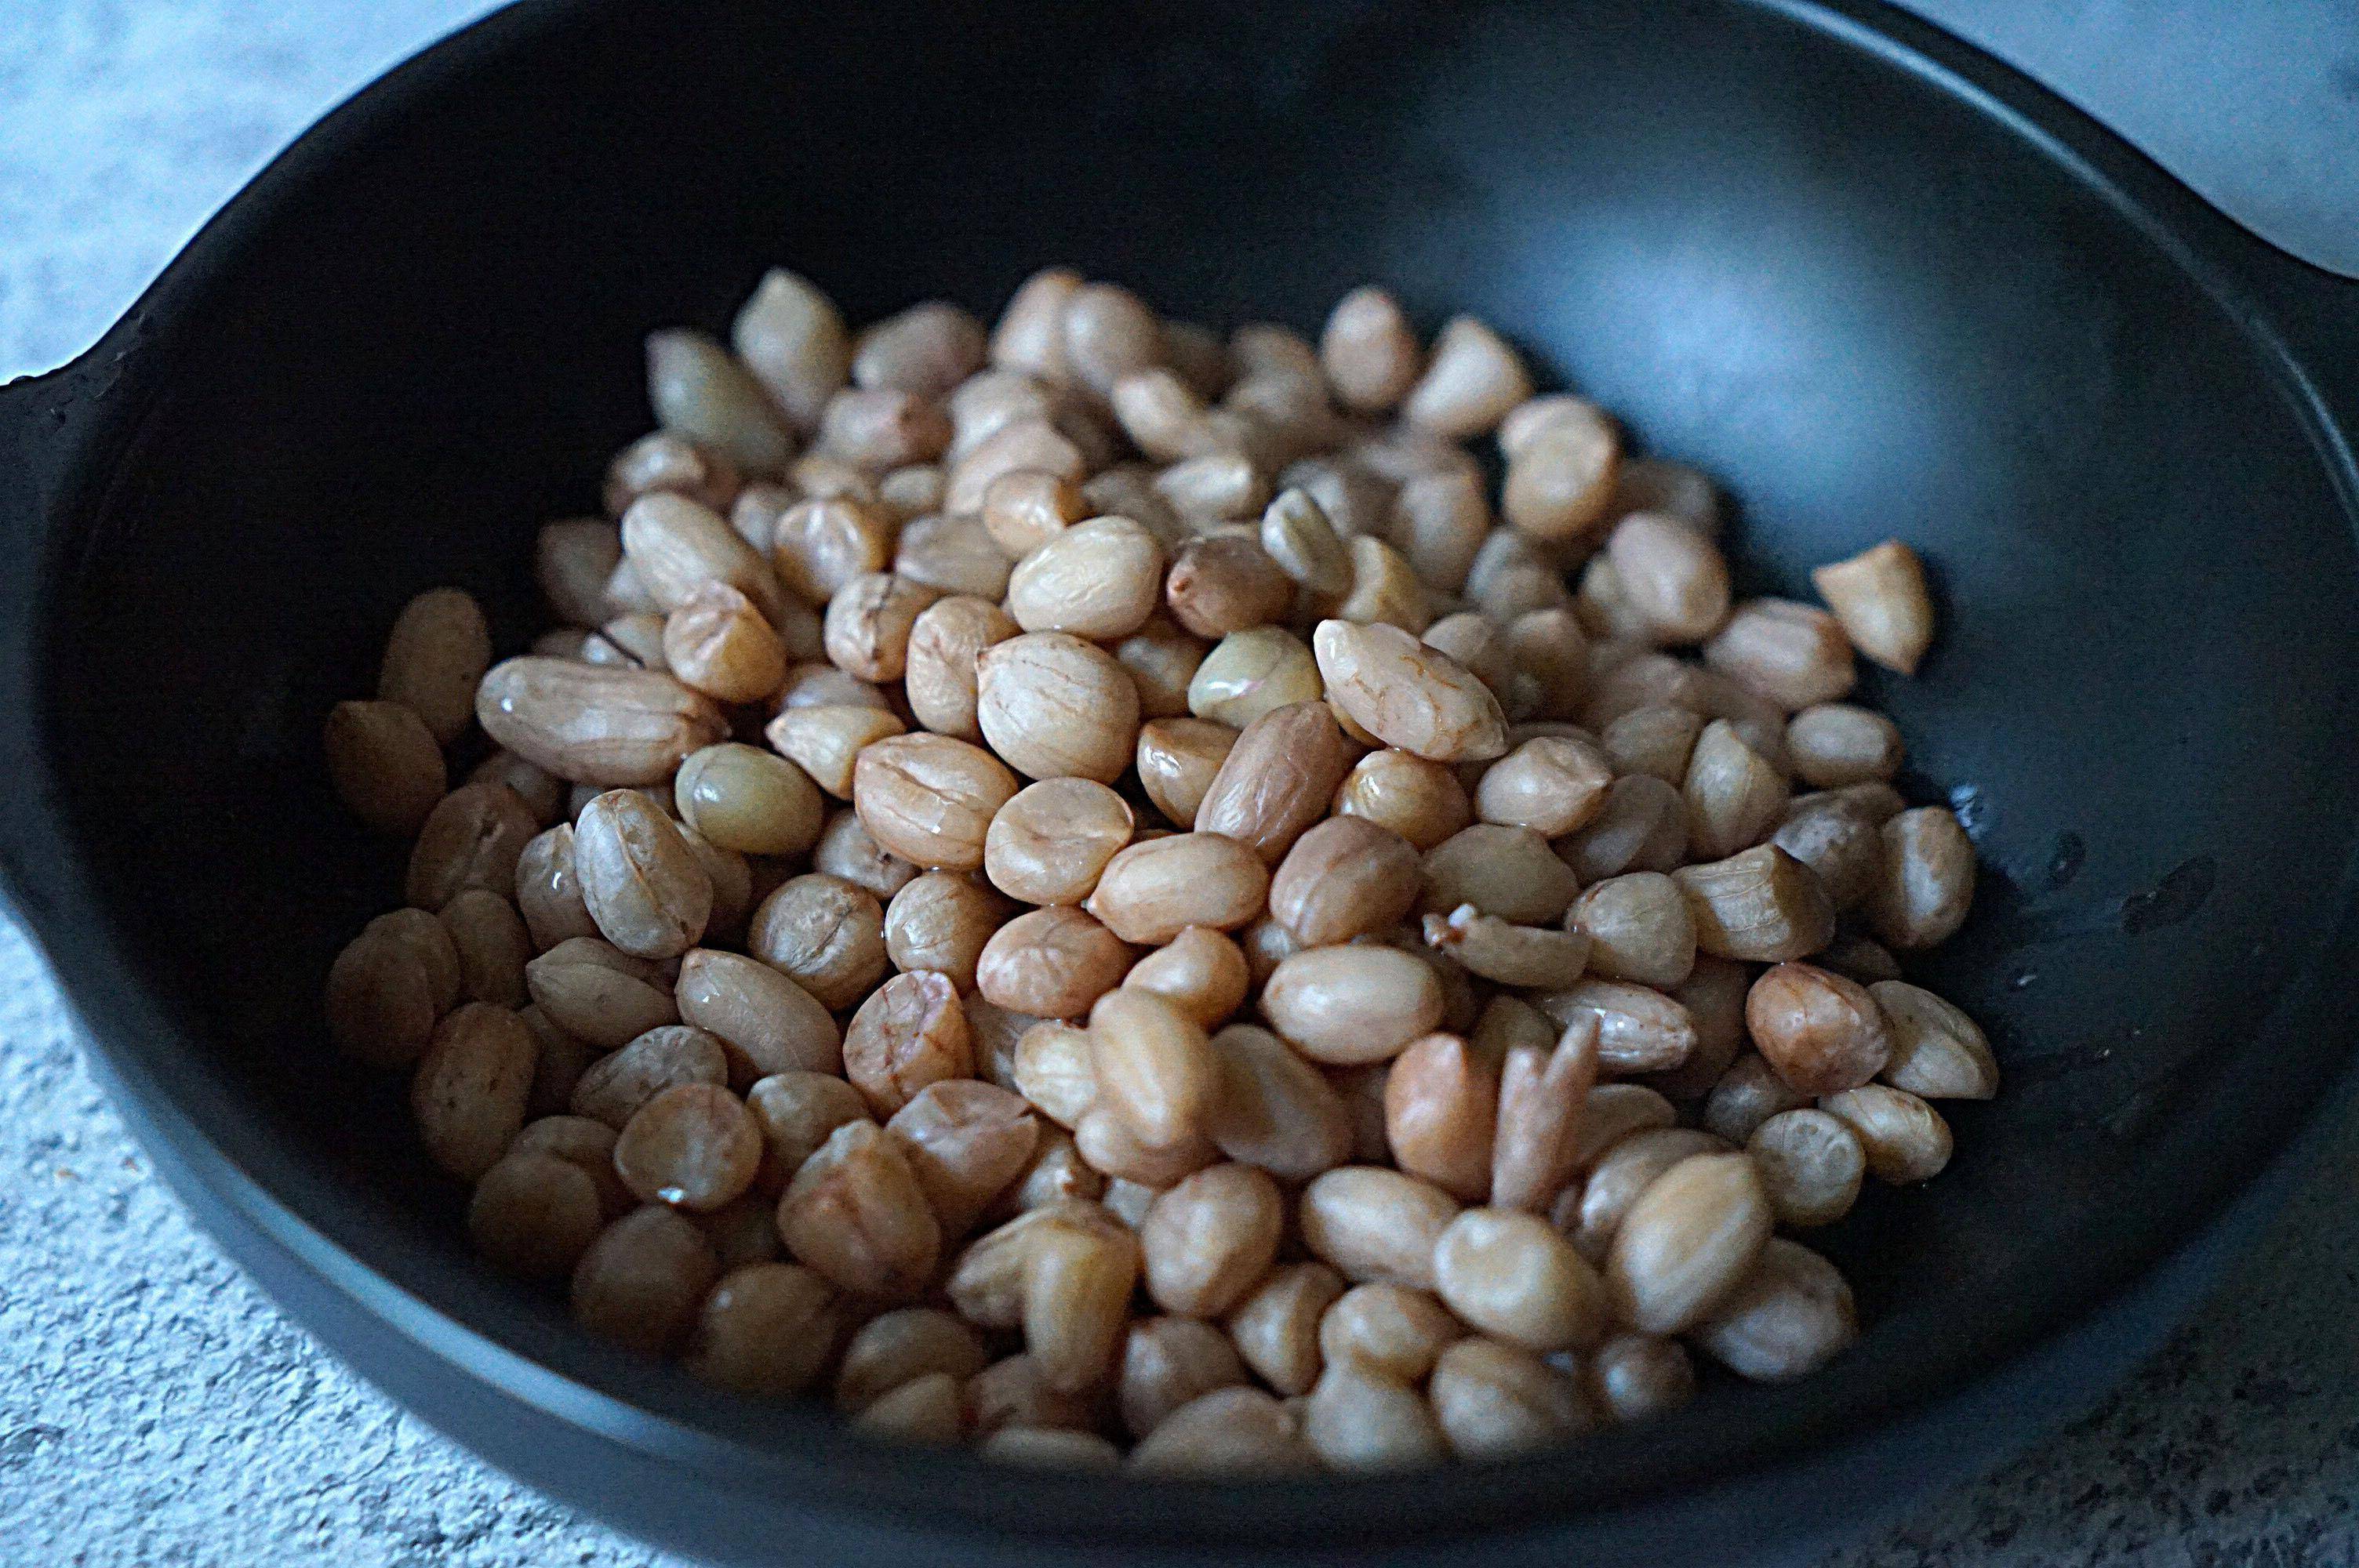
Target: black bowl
{"x":1879,"y":283}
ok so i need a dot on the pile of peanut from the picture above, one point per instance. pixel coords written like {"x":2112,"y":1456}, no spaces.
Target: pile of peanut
{"x":1082,"y":887}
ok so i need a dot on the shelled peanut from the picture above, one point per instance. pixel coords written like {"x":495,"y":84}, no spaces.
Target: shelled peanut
{"x":1080,"y":885}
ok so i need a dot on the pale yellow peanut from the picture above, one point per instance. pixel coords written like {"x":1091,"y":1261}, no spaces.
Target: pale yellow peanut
{"x":1735,"y":796}
{"x":820,"y":546}
{"x":1408,"y":695}
{"x":1210,"y":1239}
{"x":1644,"y":828}
{"x":1687,"y":1242}
{"x":951,"y":554}
{"x":941,"y":921}
{"x":823,"y":933}
{"x":1494,"y":1400}
{"x":1057,"y":1173}
{"x":1472,"y":380}
{"x":1199,"y":971}
{"x":435,"y":654}
{"x":923,"y":1410}
{"x":641,"y":883}
{"x":1905,"y":1139}
{"x":1879,"y":596}
{"x":1053,"y":706}
{"x":693,"y":1146}
{"x":1229,"y":1432}
{"x":742,"y":798}
{"x":1507,"y":953}
{"x":1024,"y":508}
{"x":534,"y":1214}
{"x":1052,"y":963}
{"x":896,"y":1347}
{"x":1840,"y":842}
{"x":1107,"y":332}
{"x":766,"y":1330}
{"x":1153,"y":889}
{"x":1388,"y":1329}
{"x":473,"y":839}
{"x":1514,"y":1275}
{"x":1272,"y":1110}
{"x":1592,"y":1212}
{"x":1420,"y":800}
{"x":1673,"y":578}
{"x":792,"y":339}
{"x":1054,"y":1071}
{"x":594,"y":724}
{"x":1937,"y":1052}
{"x":1375,"y":1223}
{"x":1810,"y":1165}
{"x":598,"y":993}
{"x":1168,"y":1362}
{"x":825,"y":740}
{"x":1821,"y":1032}
{"x":1639,"y":929}
{"x":1835,"y":743}
{"x":845,"y":850}
{"x":1633,"y":1377}
{"x":1361,"y":1421}
{"x":1297,"y":534}
{"x":1153,"y":1066}
{"x":615,"y":1087}
{"x":1554,"y":785}
{"x":930,"y":799}
{"x":1162,"y":415}
{"x":1760,"y":904}
{"x":1927,"y":881}
{"x":856,"y":1214}
{"x":924,"y":350}
{"x":1748,"y":1094}
{"x":1345,"y":1005}
{"x":1792,"y":653}
{"x":1507,"y":871}
{"x":1346,"y":877}
{"x":1544,"y":1118}
{"x":1368,"y":352}
{"x":385,"y":763}
{"x":1790,"y":1317}
{"x":1162,"y":659}
{"x":964,"y":1141}
{"x":1128,"y":1200}
{"x":797,"y":1110}
{"x":492,"y":944}
{"x":869,"y":621}
{"x":1276,"y":1326}
{"x":1077,"y":1289}
{"x":1177,"y":761}
{"x":1030,"y":332}
{"x":910,"y":1033}
{"x":573,"y":558}
{"x":715,"y":641}
{"x":468,"y":1094}
{"x":1098,"y":579}
{"x":641,"y":1281}
{"x":1385,"y":591}
{"x":1560,"y":477}
{"x":1249,"y":672}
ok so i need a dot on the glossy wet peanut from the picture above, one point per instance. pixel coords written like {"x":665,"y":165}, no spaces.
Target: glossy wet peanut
{"x":1592,"y":1212}
{"x":640,"y":882}
{"x":1052,"y":963}
{"x":1153,"y":889}
{"x":941,"y":921}
{"x":910,"y":1033}
{"x":1346,"y":877}
{"x":1821,"y":1032}
{"x":1345,"y":1005}
{"x":965,"y":1141}
{"x":693,"y":1146}
{"x":1690,"y":1238}
{"x":1053,"y":706}
{"x":1905,"y":1139}
{"x":1515,"y":1276}
{"x":1272,"y":1110}
{"x":1408,"y":695}
{"x":594,"y":724}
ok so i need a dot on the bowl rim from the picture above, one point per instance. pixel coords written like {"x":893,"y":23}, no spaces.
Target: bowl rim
{"x":337,"y":1236}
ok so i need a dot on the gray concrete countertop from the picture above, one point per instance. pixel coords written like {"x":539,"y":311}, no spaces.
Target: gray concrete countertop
{"x":155,"y":1409}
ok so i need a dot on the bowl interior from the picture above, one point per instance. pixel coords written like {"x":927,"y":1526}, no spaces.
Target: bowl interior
{"x":1868,"y":306}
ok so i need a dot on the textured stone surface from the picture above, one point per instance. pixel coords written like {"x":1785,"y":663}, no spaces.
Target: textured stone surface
{"x":154,"y":1409}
